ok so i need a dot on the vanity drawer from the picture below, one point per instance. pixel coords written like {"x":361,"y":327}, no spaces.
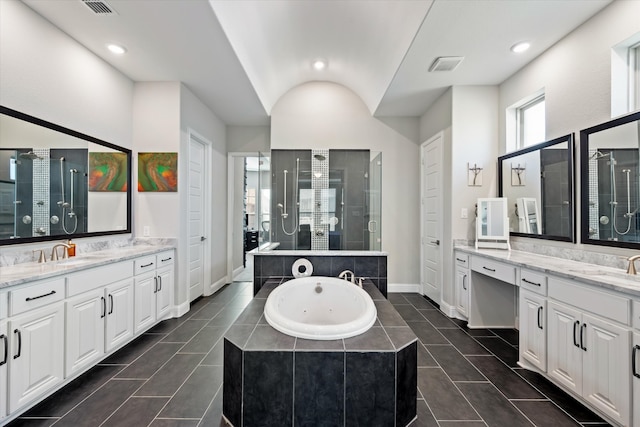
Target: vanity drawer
{"x":533,"y":281}
{"x":35,"y":296}
{"x":144,"y":264}
{"x":93,"y":278}
{"x":462,"y":259}
{"x":636,"y":315}
{"x":503,"y":272}
{"x":164,"y":258}
{"x":614,"y":307}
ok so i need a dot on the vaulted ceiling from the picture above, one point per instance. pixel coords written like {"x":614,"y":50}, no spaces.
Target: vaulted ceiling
{"x":239,"y":57}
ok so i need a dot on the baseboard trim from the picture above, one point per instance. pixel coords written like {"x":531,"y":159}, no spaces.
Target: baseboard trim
{"x":237,"y":272}
{"x":448,"y":309}
{"x":182,"y":309}
{"x":403,"y":287}
{"x":215,"y":286}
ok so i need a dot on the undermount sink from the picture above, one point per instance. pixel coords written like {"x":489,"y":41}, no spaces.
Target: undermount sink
{"x":74,"y":261}
{"x":607,"y":273}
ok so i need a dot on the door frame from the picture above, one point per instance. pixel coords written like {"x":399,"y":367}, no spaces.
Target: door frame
{"x":440,"y":135}
{"x":206,"y":213}
{"x":231,"y":238}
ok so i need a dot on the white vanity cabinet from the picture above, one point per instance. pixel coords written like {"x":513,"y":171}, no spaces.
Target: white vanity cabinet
{"x":36,"y":341}
{"x":533,"y":318}
{"x":635,"y":363}
{"x":153,"y":288}
{"x":102,"y":318}
{"x":4,"y":358}
{"x":588,"y":346}
{"x":462,"y":284}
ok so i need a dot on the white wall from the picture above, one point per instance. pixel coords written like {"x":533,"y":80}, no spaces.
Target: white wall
{"x":327,"y":115}
{"x":248,"y":139}
{"x":576,"y":76}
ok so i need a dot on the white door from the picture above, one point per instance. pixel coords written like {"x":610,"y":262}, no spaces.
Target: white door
{"x":196,"y":218}
{"x":119,"y":327}
{"x":431,"y":217}
{"x":564,"y":358}
{"x":145,"y":289}
{"x":85,"y":330}
{"x":533,"y":335}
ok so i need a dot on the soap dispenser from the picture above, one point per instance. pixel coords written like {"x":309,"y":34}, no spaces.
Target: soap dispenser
{"x":71,"y":250}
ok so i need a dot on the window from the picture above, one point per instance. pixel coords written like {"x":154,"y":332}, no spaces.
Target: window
{"x":625,"y":76}
{"x":530,"y":123}
{"x":634,"y":66}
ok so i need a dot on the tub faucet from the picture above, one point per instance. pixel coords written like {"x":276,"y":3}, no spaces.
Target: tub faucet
{"x":632,"y":266}
{"x":54,"y":251}
{"x":346,"y":274}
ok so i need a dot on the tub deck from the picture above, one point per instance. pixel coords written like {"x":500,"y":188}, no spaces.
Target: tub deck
{"x":275,"y":379}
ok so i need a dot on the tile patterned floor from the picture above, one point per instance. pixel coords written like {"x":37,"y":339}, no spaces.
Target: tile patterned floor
{"x":172,"y":375}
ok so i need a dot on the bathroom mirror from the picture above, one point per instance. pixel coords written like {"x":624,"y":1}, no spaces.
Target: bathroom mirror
{"x":610,"y":183}
{"x":56,"y":183}
{"x":538,"y":183}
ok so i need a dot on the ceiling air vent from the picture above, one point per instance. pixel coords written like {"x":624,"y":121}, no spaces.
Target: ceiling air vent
{"x":446,"y":63}
{"x":99,"y":7}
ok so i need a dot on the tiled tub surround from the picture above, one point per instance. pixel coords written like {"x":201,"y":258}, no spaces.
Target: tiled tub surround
{"x":275,"y":379}
{"x":277,"y":265}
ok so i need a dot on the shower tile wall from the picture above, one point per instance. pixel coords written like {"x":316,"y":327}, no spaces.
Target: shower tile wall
{"x":40,"y":202}
{"x":320,"y":186}
{"x":76,"y":159}
{"x":556,"y":196}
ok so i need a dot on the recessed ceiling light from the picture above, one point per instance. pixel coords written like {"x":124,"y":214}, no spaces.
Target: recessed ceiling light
{"x":520,"y":47}
{"x":117,"y":49}
{"x":319,"y":64}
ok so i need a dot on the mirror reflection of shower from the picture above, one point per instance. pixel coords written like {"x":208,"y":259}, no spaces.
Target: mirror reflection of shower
{"x":69,"y":216}
{"x":621,"y":187}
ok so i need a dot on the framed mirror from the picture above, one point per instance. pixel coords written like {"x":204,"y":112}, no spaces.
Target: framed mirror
{"x":610,"y":183}
{"x":538,"y":183}
{"x":56,"y":183}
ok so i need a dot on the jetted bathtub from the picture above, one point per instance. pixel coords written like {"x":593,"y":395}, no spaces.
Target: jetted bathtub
{"x":320,"y":308}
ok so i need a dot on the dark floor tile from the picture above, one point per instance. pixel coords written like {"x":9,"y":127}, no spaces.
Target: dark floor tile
{"x":494,"y":408}
{"x":463,"y":342}
{"x":168,"y":325}
{"x":32,"y":422}
{"x":425,"y":359}
{"x":73,"y":393}
{"x":133,"y":350}
{"x":208,"y":311}
{"x":444,"y":399}
{"x":395,"y":298}
{"x":186,"y":331}
{"x":409,"y":313}
{"x":545,"y":413}
{"x":226,"y":317}
{"x":574,"y":408}
{"x":101,"y":404}
{"x":507,"y":381}
{"x":419,"y":302}
{"x":505,"y":352}
{"x":215,"y":357}
{"x":160,"y":422}
{"x":424,"y":416}
{"x":462,"y":424}
{"x":454,"y":364}
{"x":138,"y":411}
{"x":213,"y":416}
{"x":426,"y":333}
{"x":478,"y":332}
{"x":170,"y":377}
{"x":147,"y":365}
{"x":265,"y":337}
{"x":204,"y":340}
{"x":196,"y":394}
{"x":438,"y":319}
{"x":509,"y":335}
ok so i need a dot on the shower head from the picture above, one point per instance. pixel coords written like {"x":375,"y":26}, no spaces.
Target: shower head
{"x":319,"y":157}
{"x":599,"y":155}
{"x":30,"y":155}
{"x":280,"y":206}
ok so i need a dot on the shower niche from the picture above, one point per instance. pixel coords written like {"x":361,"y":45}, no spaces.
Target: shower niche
{"x":323,"y":199}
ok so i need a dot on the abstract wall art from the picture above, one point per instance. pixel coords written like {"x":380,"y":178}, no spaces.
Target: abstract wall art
{"x":158,"y":172}
{"x":108,"y":171}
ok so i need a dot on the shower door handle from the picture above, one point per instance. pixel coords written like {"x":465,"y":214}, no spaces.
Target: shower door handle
{"x":372,"y":226}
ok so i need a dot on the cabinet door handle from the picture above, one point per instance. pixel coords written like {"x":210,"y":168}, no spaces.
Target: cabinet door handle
{"x":493,"y":270}
{"x":575,"y":330}
{"x":540,"y":317}
{"x":464,"y":280}
{"x":159,"y":283}
{"x":531,"y":283}
{"x":40,"y":296}
{"x":461,"y":260}
{"x":110,"y":303}
{"x":633,"y":360}
{"x":104,"y":307}
{"x":155,"y":284}
{"x":582,"y":336}
{"x":17,"y":331}
{"x":4,"y":338}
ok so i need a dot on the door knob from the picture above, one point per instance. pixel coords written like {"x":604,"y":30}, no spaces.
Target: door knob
{"x":436,"y":242}
{"x":202,"y":238}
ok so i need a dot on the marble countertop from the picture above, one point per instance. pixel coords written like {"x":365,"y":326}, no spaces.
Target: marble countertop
{"x":606,"y":277}
{"x":30,"y":271}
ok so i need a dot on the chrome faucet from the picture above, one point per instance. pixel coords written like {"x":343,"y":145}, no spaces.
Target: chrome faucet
{"x":632,"y":266}
{"x":54,"y":251}
{"x":347,"y":273}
